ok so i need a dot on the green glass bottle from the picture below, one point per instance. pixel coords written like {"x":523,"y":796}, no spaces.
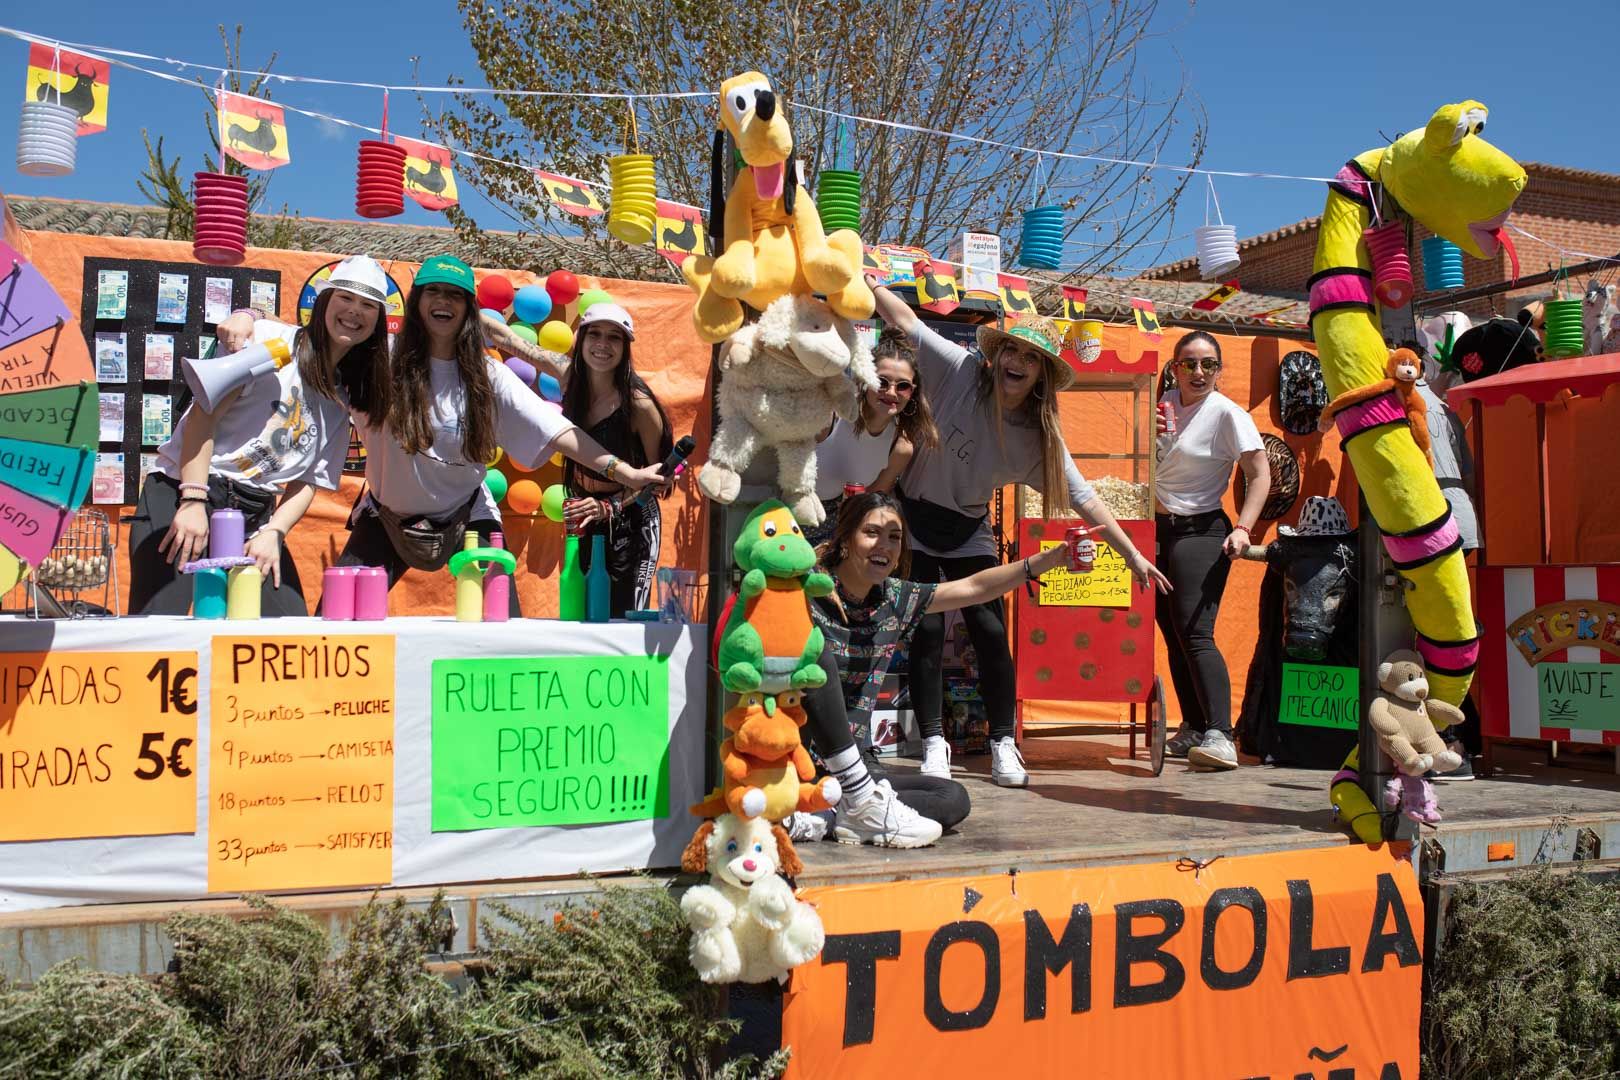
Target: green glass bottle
{"x":571,"y":583}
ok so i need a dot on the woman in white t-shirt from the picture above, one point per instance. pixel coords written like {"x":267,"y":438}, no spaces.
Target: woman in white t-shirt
{"x":1197,"y":541}
{"x":450,"y":406}
{"x":277,"y":438}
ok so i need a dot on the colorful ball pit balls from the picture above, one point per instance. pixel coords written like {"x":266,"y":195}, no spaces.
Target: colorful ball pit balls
{"x":532,"y":304}
{"x":556,"y":337}
{"x":495,"y":293}
{"x":549,"y":387}
{"x":593,"y":296}
{"x":495,"y":458}
{"x":552,"y":501}
{"x":523,"y":497}
{"x":491,"y":313}
{"x":524,"y":370}
{"x":496,"y":482}
{"x":526,"y":332}
{"x":562,"y":287}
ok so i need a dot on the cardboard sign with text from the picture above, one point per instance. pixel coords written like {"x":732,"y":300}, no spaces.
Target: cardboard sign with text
{"x":301,"y":764}
{"x":1583,"y":697}
{"x":1107,"y":585}
{"x":525,"y":741}
{"x":97,"y":744}
{"x":1255,"y":966}
{"x":1320,"y":695}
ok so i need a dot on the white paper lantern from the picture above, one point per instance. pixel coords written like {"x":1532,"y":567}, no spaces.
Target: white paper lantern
{"x":1217,"y":251}
{"x":47,"y":139}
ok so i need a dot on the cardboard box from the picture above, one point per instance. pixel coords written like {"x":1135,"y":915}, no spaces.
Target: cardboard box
{"x":978,"y":259}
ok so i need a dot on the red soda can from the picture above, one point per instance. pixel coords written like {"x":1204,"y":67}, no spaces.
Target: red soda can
{"x":1081,"y":558}
{"x":1168,"y":411}
{"x":851,"y":490}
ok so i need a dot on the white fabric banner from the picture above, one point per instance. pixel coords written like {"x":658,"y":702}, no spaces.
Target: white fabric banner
{"x":53,"y":873}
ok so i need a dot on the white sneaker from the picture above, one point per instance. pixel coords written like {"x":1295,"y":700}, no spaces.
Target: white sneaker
{"x":1006,"y":763}
{"x":936,"y":757}
{"x":883,"y":820}
{"x":1214,"y":752}
{"x":806,"y":828}
{"x":1183,"y":740}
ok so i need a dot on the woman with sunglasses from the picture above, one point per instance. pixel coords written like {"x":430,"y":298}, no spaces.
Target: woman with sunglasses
{"x":1197,"y":541}
{"x":866,"y":453}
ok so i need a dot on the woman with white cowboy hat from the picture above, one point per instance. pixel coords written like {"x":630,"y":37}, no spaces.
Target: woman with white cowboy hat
{"x":277,"y":438}
{"x":997,"y":415}
{"x":1198,"y":542}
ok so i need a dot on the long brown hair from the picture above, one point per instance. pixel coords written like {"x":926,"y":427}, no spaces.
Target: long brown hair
{"x":916,"y":420}
{"x":851,"y":512}
{"x":1054,"y":452}
{"x":410,"y":409}
{"x":576,"y":405}
{"x":360,"y":375}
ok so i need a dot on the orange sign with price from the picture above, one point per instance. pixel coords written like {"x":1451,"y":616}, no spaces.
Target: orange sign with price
{"x":301,"y":762}
{"x":97,"y":744}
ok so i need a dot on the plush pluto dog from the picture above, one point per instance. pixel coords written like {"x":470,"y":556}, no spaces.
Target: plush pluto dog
{"x":774,"y":242}
{"x":747,"y":926}
{"x":1445,"y":176}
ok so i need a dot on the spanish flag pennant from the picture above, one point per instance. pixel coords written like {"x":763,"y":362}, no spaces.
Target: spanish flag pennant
{"x":1147,"y":320}
{"x":570,"y":195}
{"x":253,"y":131}
{"x":1217,"y":296}
{"x":430,"y":178}
{"x":936,"y":287}
{"x":1074,"y":302}
{"x":74,"y":80}
{"x":1015,"y":298}
{"x":680,"y":231}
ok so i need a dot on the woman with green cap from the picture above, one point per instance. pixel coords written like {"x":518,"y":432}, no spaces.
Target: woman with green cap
{"x":450,"y":407}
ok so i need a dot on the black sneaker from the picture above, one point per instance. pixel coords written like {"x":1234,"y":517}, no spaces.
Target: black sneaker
{"x":1465,"y":771}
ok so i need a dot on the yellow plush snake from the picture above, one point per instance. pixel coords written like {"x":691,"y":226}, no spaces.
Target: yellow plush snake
{"x":1448,"y":178}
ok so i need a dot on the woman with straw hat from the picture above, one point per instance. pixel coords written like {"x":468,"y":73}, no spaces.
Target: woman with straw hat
{"x":997,"y":414}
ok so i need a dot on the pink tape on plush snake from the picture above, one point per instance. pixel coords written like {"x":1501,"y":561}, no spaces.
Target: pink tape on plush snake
{"x":1383,"y":409}
{"x":1406,"y":550}
{"x":1453,"y":657}
{"x":1337,"y":290}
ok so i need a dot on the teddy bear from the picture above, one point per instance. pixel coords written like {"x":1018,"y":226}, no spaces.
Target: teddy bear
{"x":1405,"y":720}
{"x":1403,"y":371}
{"x":782,"y":380}
{"x":766,"y":771}
{"x":773,"y":238}
{"x":747,"y":926}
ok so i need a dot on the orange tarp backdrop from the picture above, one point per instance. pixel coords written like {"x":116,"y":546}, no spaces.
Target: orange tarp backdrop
{"x":675,"y":364}
{"x":1279,"y":965}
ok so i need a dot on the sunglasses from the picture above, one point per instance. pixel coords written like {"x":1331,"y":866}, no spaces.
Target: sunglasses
{"x":1211,"y":366}
{"x":900,"y":386}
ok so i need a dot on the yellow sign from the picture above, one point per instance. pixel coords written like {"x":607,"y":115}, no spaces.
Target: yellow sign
{"x":1108,"y":584}
{"x":301,"y":766}
{"x":97,"y":744}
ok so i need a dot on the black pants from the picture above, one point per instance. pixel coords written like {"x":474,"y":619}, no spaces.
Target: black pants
{"x":369,"y":545}
{"x":157,"y":587}
{"x":632,"y":542}
{"x":1190,"y":556}
{"x":935,"y":798}
{"x":987,"y":629}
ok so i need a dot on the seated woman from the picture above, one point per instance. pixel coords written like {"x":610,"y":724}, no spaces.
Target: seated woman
{"x":869,"y":615}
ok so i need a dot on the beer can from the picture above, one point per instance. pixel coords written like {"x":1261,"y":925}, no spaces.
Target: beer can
{"x":1168,"y":411}
{"x":1081,"y":558}
{"x":851,"y":490}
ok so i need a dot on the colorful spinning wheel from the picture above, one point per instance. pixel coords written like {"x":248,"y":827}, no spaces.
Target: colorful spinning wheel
{"x":49,"y":415}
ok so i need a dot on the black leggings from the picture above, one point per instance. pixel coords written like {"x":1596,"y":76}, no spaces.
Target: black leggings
{"x":369,"y":545}
{"x":632,"y":542}
{"x":937,"y":799}
{"x":1190,"y":556}
{"x":987,"y":629}
{"x":156,"y":586}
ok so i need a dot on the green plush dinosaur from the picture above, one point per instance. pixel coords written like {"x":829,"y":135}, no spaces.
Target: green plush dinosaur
{"x":770,"y":644}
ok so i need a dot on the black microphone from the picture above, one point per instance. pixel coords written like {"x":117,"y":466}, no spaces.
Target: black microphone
{"x":683,"y":450}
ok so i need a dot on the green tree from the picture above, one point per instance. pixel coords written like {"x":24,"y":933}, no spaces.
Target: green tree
{"x":163,"y":184}
{"x":1055,"y":75}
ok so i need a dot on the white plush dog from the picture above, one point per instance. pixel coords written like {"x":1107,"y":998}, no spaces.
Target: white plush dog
{"x":784,"y":378}
{"x":747,"y":926}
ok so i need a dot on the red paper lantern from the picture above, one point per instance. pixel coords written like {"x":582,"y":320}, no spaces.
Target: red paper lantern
{"x":563,"y":288}
{"x":221,"y":202}
{"x":495,"y":293}
{"x":380,"y":185}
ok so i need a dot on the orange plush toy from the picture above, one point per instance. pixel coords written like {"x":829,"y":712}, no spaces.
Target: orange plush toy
{"x":1403,"y":370}
{"x":767,"y":771}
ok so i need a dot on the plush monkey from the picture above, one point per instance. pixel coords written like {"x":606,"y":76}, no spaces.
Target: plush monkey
{"x":1403,"y":371}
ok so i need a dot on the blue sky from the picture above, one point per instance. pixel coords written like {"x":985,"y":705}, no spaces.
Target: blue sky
{"x":1289,"y":88}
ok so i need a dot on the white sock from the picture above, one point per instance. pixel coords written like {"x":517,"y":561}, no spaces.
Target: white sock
{"x":850,"y":772}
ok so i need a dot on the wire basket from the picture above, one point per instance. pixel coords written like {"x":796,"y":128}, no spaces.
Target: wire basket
{"x":65,"y":583}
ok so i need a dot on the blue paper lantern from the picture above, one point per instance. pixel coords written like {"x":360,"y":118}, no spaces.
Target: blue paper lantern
{"x":1442,"y":264}
{"x":1041,"y":246}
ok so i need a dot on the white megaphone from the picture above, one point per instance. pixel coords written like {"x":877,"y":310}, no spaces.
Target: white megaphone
{"x":211,"y":380}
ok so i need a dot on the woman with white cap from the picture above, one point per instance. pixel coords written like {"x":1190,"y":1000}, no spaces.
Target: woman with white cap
{"x":450,"y":407}
{"x":998,"y":424}
{"x":266,"y":446}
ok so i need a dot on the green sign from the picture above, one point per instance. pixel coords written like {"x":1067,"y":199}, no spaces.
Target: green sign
{"x":523,"y":741}
{"x":1317,"y":695}
{"x":1585,"y":696}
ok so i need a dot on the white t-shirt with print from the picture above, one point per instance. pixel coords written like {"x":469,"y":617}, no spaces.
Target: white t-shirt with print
{"x":1197,"y":463}
{"x":440,"y":478}
{"x":274,"y":432}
